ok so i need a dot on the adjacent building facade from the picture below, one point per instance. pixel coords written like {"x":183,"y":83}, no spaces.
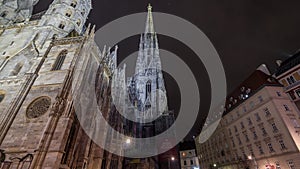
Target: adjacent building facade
{"x":189,"y":159}
{"x":259,"y":129}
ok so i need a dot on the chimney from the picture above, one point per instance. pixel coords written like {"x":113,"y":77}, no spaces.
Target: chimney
{"x":264,"y":69}
{"x":278,"y":62}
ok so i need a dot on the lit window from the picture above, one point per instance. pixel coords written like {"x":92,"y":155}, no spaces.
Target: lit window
{"x":291,"y":164}
{"x":277,"y":165}
{"x":298,"y":92}
{"x":291,"y":80}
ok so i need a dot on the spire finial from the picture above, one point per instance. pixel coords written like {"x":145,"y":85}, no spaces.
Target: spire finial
{"x":149,"y":22}
{"x":149,"y":8}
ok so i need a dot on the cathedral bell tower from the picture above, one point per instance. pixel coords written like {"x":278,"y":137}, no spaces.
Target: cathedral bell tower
{"x":148,"y":82}
{"x":15,"y":11}
{"x":65,"y":16}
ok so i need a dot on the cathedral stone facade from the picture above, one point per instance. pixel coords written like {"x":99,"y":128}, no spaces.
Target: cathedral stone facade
{"x":38,"y":57}
{"x":43,"y":59}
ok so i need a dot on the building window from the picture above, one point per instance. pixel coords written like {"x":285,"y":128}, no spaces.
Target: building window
{"x":271,"y":147}
{"x":68,"y":14}
{"x":62,"y":25}
{"x":249,"y":121}
{"x":257,"y":117}
{"x":38,"y":107}
{"x":235,"y":129}
{"x":254,"y":135}
{"x":291,"y":164}
{"x":282,"y":145}
{"x":83,"y":12}
{"x":233,"y":144}
{"x":246,"y":137}
{"x":295,"y":122}
{"x":229,"y":131}
{"x":3,"y":14}
{"x":278,"y":93}
{"x":239,"y":140}
{"x":277,"y":165}
{"x":78,"y":22}
{"x":291,"y":80}
{"x":184,"y":162}
{"x":286,"y":107}
{"x":260,"y":149}
{"x":274,"y":127}
{"x":17,"y":69}
{"x":2,"y":95}
{"x":251,"y":104}
{"x":242,"y":125}
{"x":238,"y":114}
{"x":264,"y":131}
{"x":60,"y":60}
{"x":244,"y":109}
{"x":267,"y":112}
{"x":73,"y":4}
{"x":260,"y":99}
{"x":298,"y":92}
{"x":192,"y":162}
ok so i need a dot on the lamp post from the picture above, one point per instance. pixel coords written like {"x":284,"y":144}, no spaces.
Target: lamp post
{"x":169,"y":162}
{"x":254,"y":160}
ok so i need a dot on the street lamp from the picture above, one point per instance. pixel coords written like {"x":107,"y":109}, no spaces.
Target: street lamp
{"x":254,"y":160}
{"x":128,"y":141}
{"x":169,"y":162}
{"x":215,"y":165}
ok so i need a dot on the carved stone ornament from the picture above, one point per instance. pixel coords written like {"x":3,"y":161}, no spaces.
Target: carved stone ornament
{"x":38,"y":107}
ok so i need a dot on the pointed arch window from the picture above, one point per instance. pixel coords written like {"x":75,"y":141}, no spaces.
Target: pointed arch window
{"x":2,"y":95}
{"x":78,"y":22}
{"x":3,"y":14}
{"x":60,"y":60}
{"x":17,"y":69}
{"x":148,"y":89}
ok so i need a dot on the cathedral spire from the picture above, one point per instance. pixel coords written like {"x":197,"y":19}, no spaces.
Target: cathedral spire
{"x":149,"y":23}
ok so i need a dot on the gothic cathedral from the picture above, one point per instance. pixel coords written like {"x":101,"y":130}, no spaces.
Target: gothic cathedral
{"x":39,"y":55}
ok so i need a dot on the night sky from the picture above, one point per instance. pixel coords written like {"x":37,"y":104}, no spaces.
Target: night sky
{"x":246,"y":33}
